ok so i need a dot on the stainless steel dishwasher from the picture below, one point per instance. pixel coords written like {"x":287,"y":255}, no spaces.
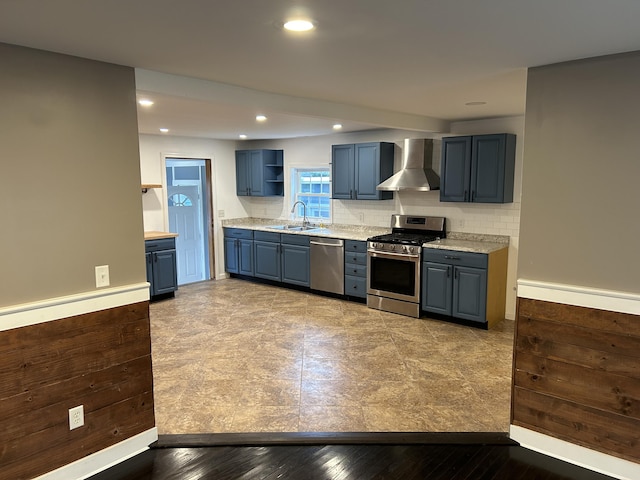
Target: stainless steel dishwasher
{"x":327,"y":264}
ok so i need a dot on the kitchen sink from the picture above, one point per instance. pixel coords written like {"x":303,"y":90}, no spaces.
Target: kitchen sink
{"x":293,"y":228}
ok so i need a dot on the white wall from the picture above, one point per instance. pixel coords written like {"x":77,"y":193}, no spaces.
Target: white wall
{"x":153,"y":150}
{"x":316,"y":151}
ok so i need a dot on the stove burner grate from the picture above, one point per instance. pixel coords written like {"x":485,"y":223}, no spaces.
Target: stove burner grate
{"x":404,"y":238}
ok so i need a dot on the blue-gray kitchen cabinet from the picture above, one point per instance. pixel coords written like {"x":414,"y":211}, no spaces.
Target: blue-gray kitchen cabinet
{"x":295,"y":256}
{"x":356,"y":170}
{"x":282,"y":257}
{"x":162,"y":272}
{"x":259,"y":173}
{"x":266,"y":255}
{"x":478,"y":169}
{"x":238,"y":251}
{"x":355,"y":268}
{"x":455,"y":284}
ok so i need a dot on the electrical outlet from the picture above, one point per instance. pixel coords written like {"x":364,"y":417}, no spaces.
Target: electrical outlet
{"x":76,"y":417}
{"x":102,"y":276}
{"x":361,"y":217}
{"x":221,"y":213}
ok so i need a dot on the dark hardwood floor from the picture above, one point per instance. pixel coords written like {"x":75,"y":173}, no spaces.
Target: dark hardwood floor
{"x":407,"y":456}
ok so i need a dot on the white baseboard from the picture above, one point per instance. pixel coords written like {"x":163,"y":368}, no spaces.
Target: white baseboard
{"x":62,"y":307}
{"x":99,"y":461}
{"x":575,"y":454}
{"x":622,"y":302}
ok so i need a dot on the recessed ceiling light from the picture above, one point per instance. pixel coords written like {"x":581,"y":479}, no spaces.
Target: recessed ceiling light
{"x":473,"y":104}
{"x":261,"y":118}
{"x":164,"y":130}
{"x":145,"y":102}
{"x":299,"y":25}
{"x":242,"y":136}
{"x":337,"y":126}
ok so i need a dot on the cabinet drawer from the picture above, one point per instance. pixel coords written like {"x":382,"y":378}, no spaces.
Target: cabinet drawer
{"x":238,"y":233}
{"x":266,"y":236}
{"x":355,"y":270}
{"x":355,"y":257}
{"x":293,"y":239}
{"x":454,"y":257}
{"x":160,"y":244}
{"x":355,"y":286}
{"x":355,"y":246}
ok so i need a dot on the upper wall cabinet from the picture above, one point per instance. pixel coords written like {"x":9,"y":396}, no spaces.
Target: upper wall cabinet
{"x":356,"y":170}
{"x":259,"y":173}
{"x":478,"y":168}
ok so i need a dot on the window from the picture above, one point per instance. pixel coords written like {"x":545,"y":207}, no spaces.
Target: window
{"x":179,"y":200}
{"x":313,"y":187}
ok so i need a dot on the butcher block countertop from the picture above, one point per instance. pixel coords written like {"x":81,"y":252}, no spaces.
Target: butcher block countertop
{"x":151,"y":235}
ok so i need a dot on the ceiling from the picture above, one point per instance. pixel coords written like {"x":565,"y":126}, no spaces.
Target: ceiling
{"x":212,"y":65}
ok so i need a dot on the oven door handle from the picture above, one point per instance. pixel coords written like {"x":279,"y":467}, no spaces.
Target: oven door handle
{"x":391,"y":254}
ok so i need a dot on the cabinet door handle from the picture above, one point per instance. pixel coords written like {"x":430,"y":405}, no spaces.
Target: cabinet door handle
{"x":465,"y":195}
{"x":448,"y":272}
{"x":455,"y":273}
{"x":350,"y":194}
{"x":451,"y":257}
{"x":473,"y":195}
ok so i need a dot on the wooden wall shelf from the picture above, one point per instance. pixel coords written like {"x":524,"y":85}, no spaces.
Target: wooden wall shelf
{"x":147,"y":186}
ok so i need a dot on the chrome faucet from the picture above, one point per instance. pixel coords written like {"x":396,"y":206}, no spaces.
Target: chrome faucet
{"x":305,"y":222}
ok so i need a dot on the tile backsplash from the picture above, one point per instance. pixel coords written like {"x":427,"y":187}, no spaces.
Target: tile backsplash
{"x":494,"y":219}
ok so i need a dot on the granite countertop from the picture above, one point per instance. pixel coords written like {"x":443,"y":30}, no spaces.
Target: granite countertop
{"x":346,"y":232}
{"x":469,"y":242}
{"x":464,"y":242}
{"x":152,"y":235}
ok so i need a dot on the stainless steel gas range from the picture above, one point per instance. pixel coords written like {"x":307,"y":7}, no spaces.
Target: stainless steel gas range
{"x":393,"y":263}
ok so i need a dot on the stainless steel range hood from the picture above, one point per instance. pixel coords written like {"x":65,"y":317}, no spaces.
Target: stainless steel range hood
{"x":416,"y":173}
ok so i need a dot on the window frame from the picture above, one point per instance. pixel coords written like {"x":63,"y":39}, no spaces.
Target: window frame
{"x":296,"y":193}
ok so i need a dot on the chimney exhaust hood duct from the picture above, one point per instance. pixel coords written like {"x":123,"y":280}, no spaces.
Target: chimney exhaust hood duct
{"x":416,"y":173}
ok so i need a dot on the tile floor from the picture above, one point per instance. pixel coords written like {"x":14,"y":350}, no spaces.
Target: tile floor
{"x":237,"y":356}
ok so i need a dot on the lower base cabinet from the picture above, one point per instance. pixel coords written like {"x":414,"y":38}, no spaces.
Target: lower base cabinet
{"x":282,"y":257}
{"x":162,"y":272}
{"x":238,"y":251}
{"x":266,"y":255}
{"x":464,"y":285}
{"x":355,"y":268}
{"x":296,"y":259}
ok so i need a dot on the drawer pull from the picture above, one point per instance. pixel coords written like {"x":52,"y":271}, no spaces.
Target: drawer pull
{"x":451,"y":257}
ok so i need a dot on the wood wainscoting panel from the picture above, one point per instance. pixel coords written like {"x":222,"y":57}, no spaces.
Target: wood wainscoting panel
{"x":101,"y":360}
{"x":576,"y":376}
